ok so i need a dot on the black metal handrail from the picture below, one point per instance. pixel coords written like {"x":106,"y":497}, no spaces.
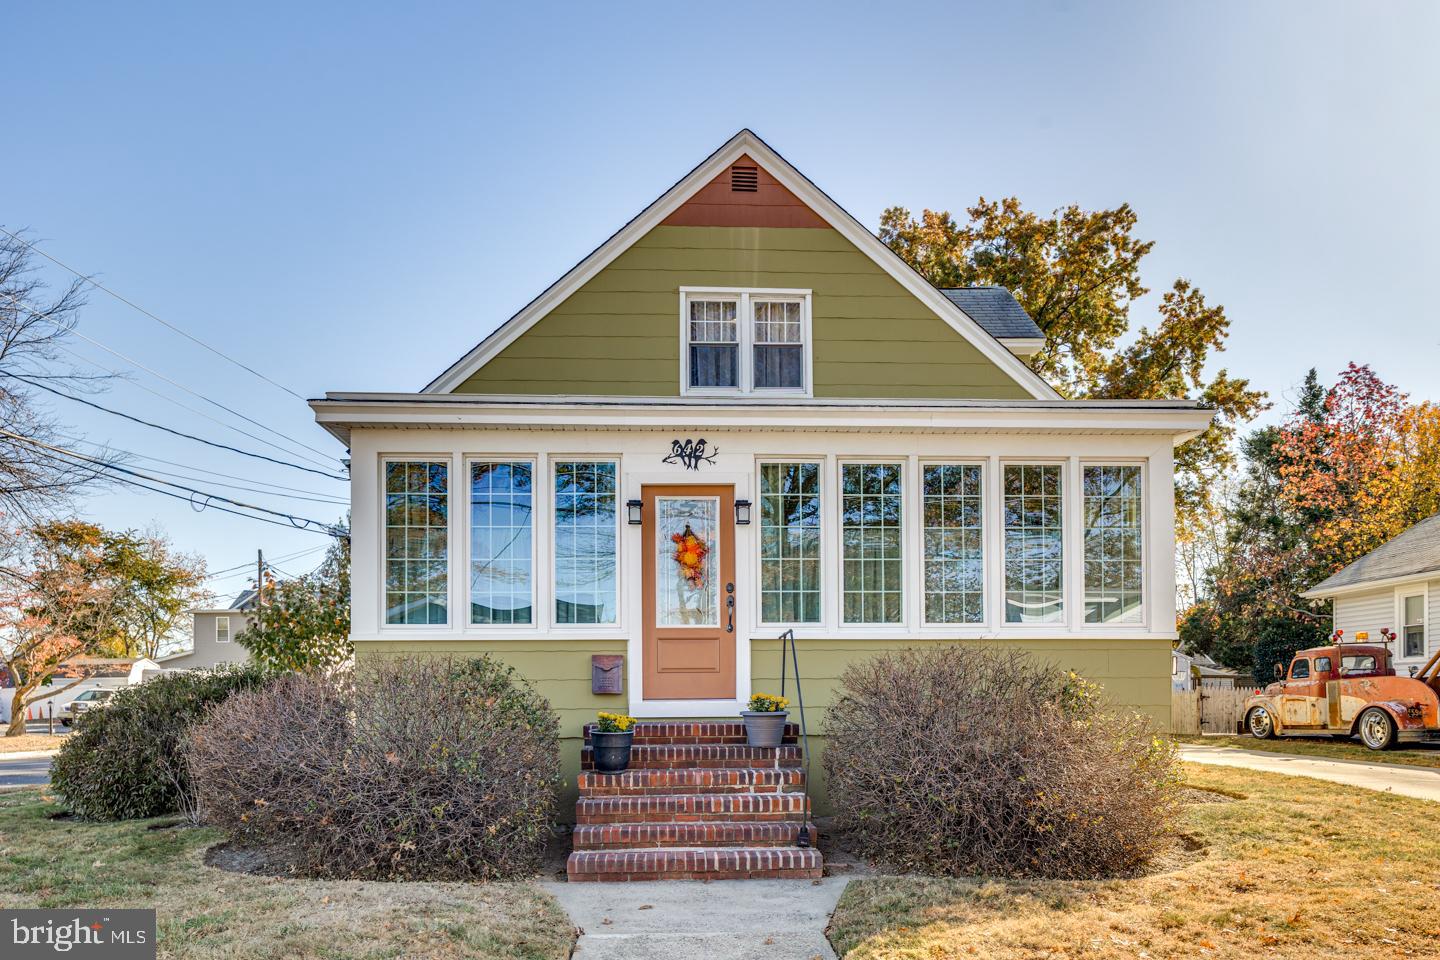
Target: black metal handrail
{"x":803,"y":839}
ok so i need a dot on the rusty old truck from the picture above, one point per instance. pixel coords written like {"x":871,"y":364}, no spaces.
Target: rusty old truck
{"x":1347,"y":690}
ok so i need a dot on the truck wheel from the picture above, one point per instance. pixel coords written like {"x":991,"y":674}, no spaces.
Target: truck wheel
{"x":1260,"y":724}
{"x":1377,"y":729}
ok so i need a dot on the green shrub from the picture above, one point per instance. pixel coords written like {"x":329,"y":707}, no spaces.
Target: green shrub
{"x":124,"y":761}
{"x":418,"y":768}
{"x":962,"y":760}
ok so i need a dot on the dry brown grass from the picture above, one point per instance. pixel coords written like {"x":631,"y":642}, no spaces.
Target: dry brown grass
{"x":1297,"y":870}
{"x":32,"y":741}
{"x":1323,"y":748}
{"x":210,"y":914}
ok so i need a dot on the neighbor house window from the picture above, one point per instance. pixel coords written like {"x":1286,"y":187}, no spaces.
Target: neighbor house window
{"x":417,"y":518}
{"x":872,"y":542}
{"x":790,"y":542}
{"x":1412,"y":636}
{"x":222,"y":629}
{"x":954,"y":544}
{"x":745,"y":341}
{"x":1034,"y":544}
{"x":1114,"y":572}
{"x":585,"y":541}
{"x":502,"y":501}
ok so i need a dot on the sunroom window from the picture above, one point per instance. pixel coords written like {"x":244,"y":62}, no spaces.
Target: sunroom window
{"x":872,"y":542}
{"x":790,"y":543}
{"x":1034,"y":544}
{"x":745,"y":341}
{"x":1114,"y":571}
{"x":417,"y":552}
{"x":501,"y":508}
{"x":585,"y":541}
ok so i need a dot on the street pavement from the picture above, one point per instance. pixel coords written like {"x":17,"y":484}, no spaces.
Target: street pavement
{"x":1410,"y":781}
{"x":24,"y":770}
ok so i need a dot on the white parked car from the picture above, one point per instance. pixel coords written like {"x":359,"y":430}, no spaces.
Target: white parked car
{"x":89,"y":700}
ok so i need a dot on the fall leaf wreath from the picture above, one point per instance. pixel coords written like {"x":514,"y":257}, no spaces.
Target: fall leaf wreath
{"x":690,"y":552}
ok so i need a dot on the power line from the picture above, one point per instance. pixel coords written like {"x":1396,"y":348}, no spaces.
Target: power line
{"x":170,"y":430}
{"x":300,"y":523}
{"x":30,"y":308}
{"x":130,"y":303}
{"x":248,"y":565}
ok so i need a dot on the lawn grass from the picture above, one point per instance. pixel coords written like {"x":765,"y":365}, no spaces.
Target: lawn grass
{"x":31,"y":741}
{"x":1299,"y":868}
{"x":209,"y":914}
{"x":1327,"y":749}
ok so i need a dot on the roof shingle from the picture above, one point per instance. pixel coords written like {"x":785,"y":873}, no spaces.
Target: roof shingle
{"x":995,"y":309}
{"x":1414,"y":552}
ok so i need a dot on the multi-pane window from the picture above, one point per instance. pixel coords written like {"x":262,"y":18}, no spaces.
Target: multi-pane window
{"x":585,"y":505}
{"x":1114,"y":571}
{"x":779,"y":345}
{"x":872,"y":542}
{"x":1413,"y":629}
{"x":1034,"y":543}
{"x":954,"y":544}
{"x":714,"y":343}
{"x":790,"y":543}
{"x":502,"y":500}
{"x":417,"y":517}
{"x":222,"y":629}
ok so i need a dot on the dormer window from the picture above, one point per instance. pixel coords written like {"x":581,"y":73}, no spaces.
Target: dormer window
{"x":741,"y":341}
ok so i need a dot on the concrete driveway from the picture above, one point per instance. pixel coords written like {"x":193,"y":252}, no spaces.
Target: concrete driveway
{"x":1420,"y":782}
{"x":24,"y":770}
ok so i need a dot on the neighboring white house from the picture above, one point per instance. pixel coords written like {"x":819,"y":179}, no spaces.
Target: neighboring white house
{"x":1191,"y":671}
{"x":213,"y":636}
{"x":1396,"y":586}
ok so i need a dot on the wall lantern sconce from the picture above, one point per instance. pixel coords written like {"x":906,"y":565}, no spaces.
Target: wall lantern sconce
{"x":632,"y":511}
{"x":742,"y":512}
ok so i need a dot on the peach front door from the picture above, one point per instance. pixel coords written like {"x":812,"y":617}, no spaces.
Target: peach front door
{"x":689,"y":597}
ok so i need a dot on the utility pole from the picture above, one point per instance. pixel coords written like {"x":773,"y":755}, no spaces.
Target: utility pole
{"x":259,"y":588}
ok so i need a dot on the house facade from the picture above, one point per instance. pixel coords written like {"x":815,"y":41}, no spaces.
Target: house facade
{"x":741,"y":415}
{"x":1395,"y":587}
{"x":213,"y":634}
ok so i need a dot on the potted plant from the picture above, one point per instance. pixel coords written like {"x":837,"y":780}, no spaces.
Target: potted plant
{"x":765,"y":720}
{"x":611,"y":740}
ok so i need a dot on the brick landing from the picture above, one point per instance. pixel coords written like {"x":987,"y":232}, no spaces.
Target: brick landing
{"x":695,"y":804}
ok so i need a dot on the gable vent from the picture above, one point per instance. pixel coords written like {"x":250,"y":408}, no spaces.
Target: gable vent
{"x":744,"y":180}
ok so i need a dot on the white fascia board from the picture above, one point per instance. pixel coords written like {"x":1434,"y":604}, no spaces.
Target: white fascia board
{"x":744,"y":143}
{"x":1024,"y":346}
{"x":1365,"y":586}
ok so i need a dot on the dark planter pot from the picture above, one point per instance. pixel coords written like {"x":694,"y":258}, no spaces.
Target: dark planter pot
{"x":612,"y":750}
{"x":764,"y":729}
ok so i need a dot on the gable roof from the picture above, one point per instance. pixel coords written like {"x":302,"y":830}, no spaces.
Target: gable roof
{"x":997,"y":310}
{"x":746,"y":143}
{"x":1414,"y":553}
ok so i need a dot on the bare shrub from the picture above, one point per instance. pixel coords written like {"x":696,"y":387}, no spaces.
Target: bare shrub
{"x":415,"y":768}
{"x":959,"y":760}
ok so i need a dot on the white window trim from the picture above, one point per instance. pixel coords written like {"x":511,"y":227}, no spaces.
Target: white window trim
{"x":1421,"y":590}
{"x":986,"y":600}
{"x":1070,"y":535}
{"x":484,"y":629}
{"x":745,"y":330}
{"x":908,"y":532}
{"x":384,"y":460}
{"x":757,"y":616}
{"x":618,"y":626}
{"x":226,"y":621}
{"x":1142,"y":620}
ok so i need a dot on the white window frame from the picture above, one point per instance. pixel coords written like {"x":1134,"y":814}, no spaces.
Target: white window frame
{"x":384,"y":460}
{"x":218,"y":621}
{"x":825,"y":546}
{"x":552,"y":617}
{"x":745,"y":329}
{"x":987,"y":601}
{"x":908,"y":530}
{"x":1070,"y":537}
{"x":535,"y":576}
{"x":1142,"y":618}
{"x":1401,"y":595}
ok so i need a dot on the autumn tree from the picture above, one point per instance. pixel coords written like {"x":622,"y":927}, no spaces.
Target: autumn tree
{"x":1077,"y":273}
{"x":304,"y":623}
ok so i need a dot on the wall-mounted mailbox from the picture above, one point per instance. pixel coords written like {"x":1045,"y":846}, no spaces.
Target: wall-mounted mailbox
{"x":607,"y":673}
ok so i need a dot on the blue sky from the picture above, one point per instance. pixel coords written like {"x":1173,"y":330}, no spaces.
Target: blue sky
{"x":349,"y":196}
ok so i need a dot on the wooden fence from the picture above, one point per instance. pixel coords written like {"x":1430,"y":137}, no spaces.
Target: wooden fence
{"x":1208,"y":710}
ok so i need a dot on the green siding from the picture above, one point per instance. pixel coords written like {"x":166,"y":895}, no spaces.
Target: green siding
{"x":1133,"y":672}
{"x":619,"y":335}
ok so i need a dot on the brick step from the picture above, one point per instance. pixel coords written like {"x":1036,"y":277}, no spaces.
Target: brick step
{"x":690,"y":780}
{"x":693,"y":731}
{"x":623,"y":836}
{"x":696,"y":863}
{"x":690,"y":807}
{"x":663,"y":755}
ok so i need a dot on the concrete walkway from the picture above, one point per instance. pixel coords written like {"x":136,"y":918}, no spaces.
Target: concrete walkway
{"x":1421,"y":782}
{"x":722,"y":920}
